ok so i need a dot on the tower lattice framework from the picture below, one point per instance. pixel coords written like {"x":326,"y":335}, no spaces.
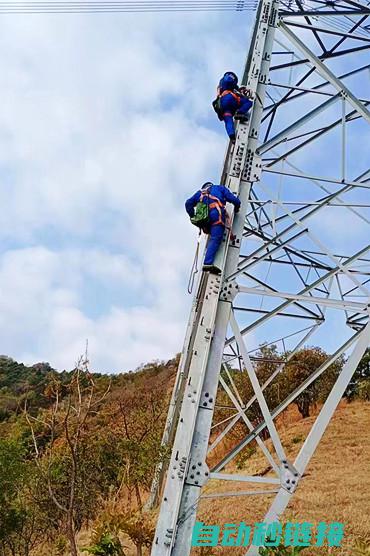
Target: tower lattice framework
{"x":297,"y":272}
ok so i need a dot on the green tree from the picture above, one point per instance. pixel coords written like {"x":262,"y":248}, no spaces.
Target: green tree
{"x":105,"y":544}
{"x":281,"y":550}
{"x":300,"y":367}
{"x":63,"y":462}
{"x":22,"y":526}
{"x":359,"y":386}
{"x":11,"y":478}
{"x":137,"y":437}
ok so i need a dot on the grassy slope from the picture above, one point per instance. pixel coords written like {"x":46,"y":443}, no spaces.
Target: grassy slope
{"x":336,"y":486}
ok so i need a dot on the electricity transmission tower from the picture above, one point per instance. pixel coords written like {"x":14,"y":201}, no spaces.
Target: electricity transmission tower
{"x":298,"y":268}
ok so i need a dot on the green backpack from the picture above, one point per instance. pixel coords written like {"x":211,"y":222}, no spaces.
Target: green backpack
{"x":201,"y":216}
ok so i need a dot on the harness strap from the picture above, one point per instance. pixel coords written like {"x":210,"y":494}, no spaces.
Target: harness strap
{"x":235,"y":95}
{"x":217,"y":204}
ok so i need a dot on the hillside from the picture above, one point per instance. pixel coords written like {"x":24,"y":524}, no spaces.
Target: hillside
{"x":87,"y":442}
{"x":98,"y":437}
{"x":336,"y":486}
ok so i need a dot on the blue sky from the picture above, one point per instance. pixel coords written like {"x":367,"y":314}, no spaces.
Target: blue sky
{"x":105,"y":128}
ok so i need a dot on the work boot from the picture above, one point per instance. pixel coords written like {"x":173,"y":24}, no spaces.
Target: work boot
{"x":211,"y":268}
{"x":243,"y":118}
{"x":233,"y":139}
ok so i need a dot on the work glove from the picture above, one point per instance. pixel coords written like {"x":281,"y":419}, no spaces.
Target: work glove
{"x":247,"y":92}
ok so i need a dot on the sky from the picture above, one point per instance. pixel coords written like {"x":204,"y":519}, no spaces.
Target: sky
{"x":106,"y":128}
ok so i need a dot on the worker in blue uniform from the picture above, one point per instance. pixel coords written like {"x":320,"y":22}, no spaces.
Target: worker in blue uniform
{"x":232,"y":102}
{"x":216,"y":197}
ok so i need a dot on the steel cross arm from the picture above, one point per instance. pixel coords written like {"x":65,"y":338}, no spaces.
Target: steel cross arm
{"x":307,"y":204}
{"x":340,"y":289}
{"x":266,"y":312}
{"x":355,"y":183}
{"x":319,"y":243}
{"x":327,"y":200}
{"x":301,"y":89}
{"x":328,"y":56}
{"x":316,"y":88}
{"x":279,"y":260}
{"x":268,"y":241}
{"x":243,"y":478}
{"x":308,"y":449}
{"x":312,"y":29}
{"x":290,"y":228}
{"x":349,"y":292}
{"x":251,"y":260}
{"x":361,"y":260}
{"x":303,"y":92}
{"x":357,"y":4}
{"x":305,"y":290}
{"x":232,"y":384}
{"x":362,"y":11}
{"x":329,"y":31}
{"x":297,"y":124}
{"x":285,"y":246}
{"x":356,"y":323}
{"x":288,"y":400}
{"x":335,"y":303}
{"x":275,"y":293}
{"x":316,"y":178}
{"x":325,"y":72}
{"x":302,"y":79}
{"x":351,"y":116}
{"x":239,"y":493}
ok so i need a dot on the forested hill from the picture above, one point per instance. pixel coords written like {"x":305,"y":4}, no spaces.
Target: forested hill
{"x":75,"y":446}
{"x":18,"y":383}
{"x":78,"y":449}
{"x":21,"y":385}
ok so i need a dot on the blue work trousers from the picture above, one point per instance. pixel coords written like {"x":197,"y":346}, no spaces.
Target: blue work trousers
{"x":229,"y":106}
{"x":214,"y":242}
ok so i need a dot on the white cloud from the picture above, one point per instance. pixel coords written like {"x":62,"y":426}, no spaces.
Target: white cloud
{"x":41,"y":305}
{"x":105,"y":129}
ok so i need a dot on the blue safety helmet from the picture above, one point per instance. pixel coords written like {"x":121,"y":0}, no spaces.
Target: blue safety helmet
{"x":206,"y":185}
{"x":231,"y":74}
{"x":231,"y":77}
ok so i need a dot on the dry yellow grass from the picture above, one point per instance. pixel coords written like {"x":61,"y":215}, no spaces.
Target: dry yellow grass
{"x":336,"y":486}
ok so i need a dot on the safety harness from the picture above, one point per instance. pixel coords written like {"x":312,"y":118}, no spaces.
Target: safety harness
{"x":217,"y":104}
{"x":217,"y":204}
{"x":235,"y":95}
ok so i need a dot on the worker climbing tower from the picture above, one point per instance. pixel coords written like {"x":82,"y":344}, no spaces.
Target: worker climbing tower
{"x":296,"y":270}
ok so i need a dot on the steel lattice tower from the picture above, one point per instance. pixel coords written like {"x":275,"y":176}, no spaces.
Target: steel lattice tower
{"x":298,"y":269}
